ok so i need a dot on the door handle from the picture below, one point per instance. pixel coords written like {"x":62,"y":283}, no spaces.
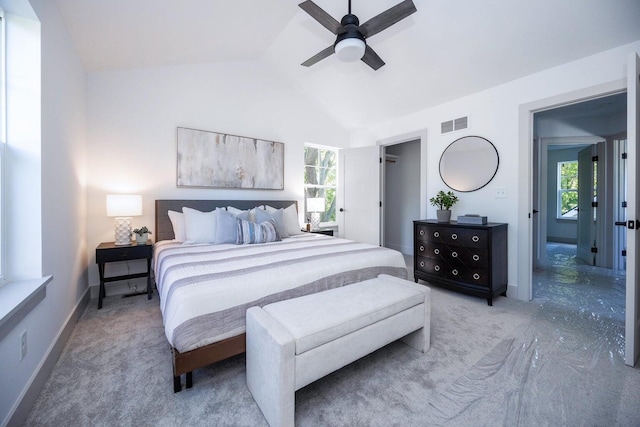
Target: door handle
{"x":341,"y":210}
{"x":535,"y":211}
{"x":622,"y":223}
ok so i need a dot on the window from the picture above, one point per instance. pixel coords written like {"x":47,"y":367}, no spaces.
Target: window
{"x":3,"y":141}
{"x":320,"y":166}
{"x":568,"y":190}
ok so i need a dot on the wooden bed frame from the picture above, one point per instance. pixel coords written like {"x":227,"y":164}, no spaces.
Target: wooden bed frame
{"x":185,"y":363}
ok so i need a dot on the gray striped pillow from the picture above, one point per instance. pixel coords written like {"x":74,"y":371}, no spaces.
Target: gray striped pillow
{"x":250,"y":232}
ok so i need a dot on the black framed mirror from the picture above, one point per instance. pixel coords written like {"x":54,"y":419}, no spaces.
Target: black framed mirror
{"x":469,"y":163}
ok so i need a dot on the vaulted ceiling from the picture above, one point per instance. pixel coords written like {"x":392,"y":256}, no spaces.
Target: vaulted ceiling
{"x":446,"y":50}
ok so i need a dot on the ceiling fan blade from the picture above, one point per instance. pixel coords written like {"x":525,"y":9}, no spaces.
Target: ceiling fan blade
{"x":387,"y":18}
{"x":321,"y":16}
{"x":372,"y":59}
{"x":319,"y":56}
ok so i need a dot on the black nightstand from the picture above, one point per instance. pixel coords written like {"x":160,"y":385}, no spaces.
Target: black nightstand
{"x":325,"y":231}
{"x":109,"y":252}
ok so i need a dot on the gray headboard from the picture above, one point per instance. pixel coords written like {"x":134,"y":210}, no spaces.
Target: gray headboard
{"x":164,"y":229}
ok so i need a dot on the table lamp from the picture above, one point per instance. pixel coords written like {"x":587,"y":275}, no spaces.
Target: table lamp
{"x":123,"y":207}
{"x":315,"y":206}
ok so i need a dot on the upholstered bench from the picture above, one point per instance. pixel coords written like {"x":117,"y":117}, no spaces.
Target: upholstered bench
{"x":293,"y":343}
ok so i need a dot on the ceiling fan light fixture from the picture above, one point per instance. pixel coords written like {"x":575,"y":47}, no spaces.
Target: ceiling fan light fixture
{"x":350,"y":50}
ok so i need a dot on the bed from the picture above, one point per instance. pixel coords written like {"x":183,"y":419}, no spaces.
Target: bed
{"x":205,"y":289}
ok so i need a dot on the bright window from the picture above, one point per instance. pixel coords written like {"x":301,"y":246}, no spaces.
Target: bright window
{"x":568,"y":190}
{"x":320,"y":166}
{"x":3,"y":141}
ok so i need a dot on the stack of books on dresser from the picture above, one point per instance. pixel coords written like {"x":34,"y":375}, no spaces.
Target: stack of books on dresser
{"x":472,"y":219}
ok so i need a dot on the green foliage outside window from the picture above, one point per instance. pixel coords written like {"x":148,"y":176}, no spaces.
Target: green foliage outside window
{"x":320,"y":178}
{"x":568,"y":186}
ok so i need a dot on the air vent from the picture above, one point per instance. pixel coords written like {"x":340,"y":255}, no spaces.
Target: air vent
{"x":446,"y":127}
{"x":460,"y":123}
{"x":452,"y":125}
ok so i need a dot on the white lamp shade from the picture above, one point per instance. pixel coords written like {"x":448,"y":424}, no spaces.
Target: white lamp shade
{"x":124,"y":205}
{"x":349,"y":50}
{"x":315,"y":204}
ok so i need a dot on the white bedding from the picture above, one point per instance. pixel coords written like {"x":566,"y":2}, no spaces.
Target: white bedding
{"x":205,"y":289}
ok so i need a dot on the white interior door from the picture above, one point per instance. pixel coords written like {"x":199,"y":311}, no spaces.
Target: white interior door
{"x":586,"y":228}
{"x":632,"y":323}
{"x":359,"y":208}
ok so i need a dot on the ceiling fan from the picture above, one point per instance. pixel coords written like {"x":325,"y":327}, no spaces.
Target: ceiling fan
{"x":351,"y":44}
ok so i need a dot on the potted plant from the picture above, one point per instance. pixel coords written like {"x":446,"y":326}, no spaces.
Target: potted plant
{"x":142,"y":234}
{"x":443,"y":201}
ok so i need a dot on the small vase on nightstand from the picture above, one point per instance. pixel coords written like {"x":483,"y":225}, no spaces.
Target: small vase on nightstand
{"x":141,"y":239}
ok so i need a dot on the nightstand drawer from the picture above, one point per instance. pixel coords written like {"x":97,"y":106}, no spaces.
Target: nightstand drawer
{"x":124,"y":253}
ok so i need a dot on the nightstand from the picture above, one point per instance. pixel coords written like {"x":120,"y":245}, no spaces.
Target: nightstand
{"x":325,"y":231}
{"x":109,"y":252}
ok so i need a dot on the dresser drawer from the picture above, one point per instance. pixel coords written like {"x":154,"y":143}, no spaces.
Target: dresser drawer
{"x":470,"y":257}
{"x":453,"y":236}
{"x":453,"y":271}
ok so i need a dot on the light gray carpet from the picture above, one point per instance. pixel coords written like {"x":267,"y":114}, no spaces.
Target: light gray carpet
{"x":513,"y":364}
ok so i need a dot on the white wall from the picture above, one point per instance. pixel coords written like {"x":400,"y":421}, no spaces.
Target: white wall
{"x":63,"y":203}
{"x":495,"y":115}
{"x":132,"y":121}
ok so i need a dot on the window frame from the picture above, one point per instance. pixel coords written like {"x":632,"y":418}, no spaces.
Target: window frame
{"x":320,"y":186}
{"x":561,"y":191}
{"x":3,"y":144}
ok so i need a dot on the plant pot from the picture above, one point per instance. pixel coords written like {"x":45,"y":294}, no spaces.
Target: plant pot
{"x":142,"y":239}
{"x":443,"y":215}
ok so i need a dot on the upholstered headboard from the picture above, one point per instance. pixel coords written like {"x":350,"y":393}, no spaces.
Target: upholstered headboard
{"x":164,"y":229}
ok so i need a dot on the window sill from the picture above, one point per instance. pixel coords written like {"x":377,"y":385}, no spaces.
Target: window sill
{"x":18,"y":299}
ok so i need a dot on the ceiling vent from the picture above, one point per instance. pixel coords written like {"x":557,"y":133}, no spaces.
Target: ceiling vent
{"x":453,"y":125}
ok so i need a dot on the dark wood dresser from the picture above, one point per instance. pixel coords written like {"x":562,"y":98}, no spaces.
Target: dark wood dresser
{"x":463,"y":257}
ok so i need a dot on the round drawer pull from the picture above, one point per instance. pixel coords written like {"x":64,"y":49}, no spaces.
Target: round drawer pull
{"x":454,"y":254}
{"x":454,"y":236}
{"x":476,"y":239}
{"x":421,"y":263}
{"x":436,"y":251}
{"x":454,"y":272}
{"x":436,"y":268}
{"x":476,"y":257}
{"x":421,"y":248}
{"x":436,"y":234}
{"x":422,"y":232}
{"x":476,"y":276}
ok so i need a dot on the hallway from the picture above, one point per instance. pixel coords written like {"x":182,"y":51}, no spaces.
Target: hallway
{"x":568,"y":282}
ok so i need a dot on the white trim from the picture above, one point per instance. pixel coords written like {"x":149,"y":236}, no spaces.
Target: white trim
{"x":18,"y":299}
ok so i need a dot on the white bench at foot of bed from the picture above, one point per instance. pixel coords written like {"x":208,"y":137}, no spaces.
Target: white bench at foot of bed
{"x":293,"y":343}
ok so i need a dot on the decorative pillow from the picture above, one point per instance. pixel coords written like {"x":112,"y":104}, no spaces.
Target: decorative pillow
{"x":226,"y":227}
{"x":277,"y":216}
{"x":200,"y":227}
{"x":251,"y":232}
{"x":248,"y":215}
{"x":290,"y":218}
{"x":177,"y":222}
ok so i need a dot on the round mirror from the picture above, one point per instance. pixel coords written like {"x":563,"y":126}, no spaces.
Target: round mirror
{"x":469,"y":163}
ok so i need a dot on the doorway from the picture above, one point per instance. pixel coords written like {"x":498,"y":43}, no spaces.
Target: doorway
{"x":401,"y":195}
{"x":579,"y":182}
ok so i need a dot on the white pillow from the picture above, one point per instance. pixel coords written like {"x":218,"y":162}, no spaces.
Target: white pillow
{"x":248,"y":215}
{"x":290,"y":218}
{"x":200,"y":227}
{"x":177,"y":222}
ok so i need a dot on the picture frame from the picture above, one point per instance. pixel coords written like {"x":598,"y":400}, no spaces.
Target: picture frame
{"x":217,"y":160}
